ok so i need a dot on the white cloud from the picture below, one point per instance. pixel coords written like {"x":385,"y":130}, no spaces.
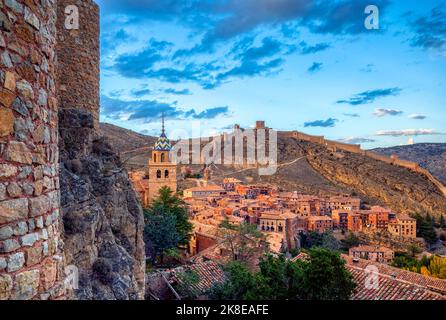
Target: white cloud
{"x":386,"y":112}
{"x":408,"y":132}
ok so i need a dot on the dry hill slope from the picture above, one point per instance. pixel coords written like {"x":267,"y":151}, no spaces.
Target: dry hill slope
{"x":431,"y":156}
{"x":314,"y":169}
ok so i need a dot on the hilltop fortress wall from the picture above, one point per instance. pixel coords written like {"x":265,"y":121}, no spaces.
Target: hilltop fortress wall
{"x":353,"y":148}
{"x":31,"y":256}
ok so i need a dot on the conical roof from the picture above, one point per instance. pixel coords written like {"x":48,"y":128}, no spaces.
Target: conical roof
{"x":163,"y":143}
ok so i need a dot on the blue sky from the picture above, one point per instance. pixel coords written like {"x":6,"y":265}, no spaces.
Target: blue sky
{"x":304,"y":65}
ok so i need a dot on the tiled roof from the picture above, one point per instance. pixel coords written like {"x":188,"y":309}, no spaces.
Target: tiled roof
{"x":208,"y":272}
{"x":163,"y":143}
{"x":393,"y":283}
{"x":430,"y":283}
{"x":388,"y":288}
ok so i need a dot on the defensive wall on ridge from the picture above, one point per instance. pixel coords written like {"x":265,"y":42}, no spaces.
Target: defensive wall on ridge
{"x":356,"y":148}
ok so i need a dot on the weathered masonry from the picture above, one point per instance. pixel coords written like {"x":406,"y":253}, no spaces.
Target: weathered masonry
{"x":31,"y":256}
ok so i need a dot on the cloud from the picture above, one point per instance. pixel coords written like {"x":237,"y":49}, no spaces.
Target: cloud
{"x":139,"y":93}
{"x":152,"y":110}
{"x":408,"y":132}
{"x":330,"y":122}
{"x":111,"y":40}
{"x":370,"y":96}
{"x":368,"y":68}
{"x":417,"y":116}
{"x":351,"y":115}
{"x":306,"y":49}
{"x":147,"y":9}
{"x":315,"y":67}
{"x":356,"y":140}
{"x":430,"y":31}
{"x":386,"y":112}
{"x":182,"y":92}
{"x":136,"y":65}
{"x":211,"y":113}
{"x":340,"y":17}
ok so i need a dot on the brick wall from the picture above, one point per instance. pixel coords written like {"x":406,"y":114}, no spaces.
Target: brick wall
{"x":31,"y":259}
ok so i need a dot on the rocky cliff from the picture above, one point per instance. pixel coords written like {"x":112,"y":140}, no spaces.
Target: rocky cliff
{"x":102,"y":219}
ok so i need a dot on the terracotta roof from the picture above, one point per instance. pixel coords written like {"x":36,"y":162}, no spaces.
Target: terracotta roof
{"x":208,"y":272}
{"x":371,"y":248}
{"x":393,"y":283}
{"x":206,"y":188}
{"x":430,"y":283}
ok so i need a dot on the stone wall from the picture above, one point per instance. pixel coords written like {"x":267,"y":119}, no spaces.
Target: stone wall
{"x":31,"y":259}
{"x":102,"y":218}
{"x":78,"y":58}
{"x":353,"y":148}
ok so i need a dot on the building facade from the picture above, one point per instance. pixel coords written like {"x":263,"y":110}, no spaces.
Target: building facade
{"x":161,"y":172}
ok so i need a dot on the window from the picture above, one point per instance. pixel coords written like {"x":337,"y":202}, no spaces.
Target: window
{"x":154,"y":157}
{"x":166,"y":174}
{"x":158,"y":174}
{"x":163,"y":156}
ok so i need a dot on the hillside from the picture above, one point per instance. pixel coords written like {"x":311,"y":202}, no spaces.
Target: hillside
{"x":132,"y":147}
{"x":431,"y":156}
{"x":312,"y":168}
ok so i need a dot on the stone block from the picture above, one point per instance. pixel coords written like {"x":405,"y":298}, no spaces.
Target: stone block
{"x":39,"y":222}
{"x":9,"y":245}
{"x":33,"y":255}
{"x":18,"y":152}
{"x":14,"y":190}
{"x":29,"y":239}
{"x":39,"y":206}
{"x":3,"y":264}
{"x":6,"y":233}
{"x":9,"y":81}
{"x":7,"y":170}
{"x":13,"y":210}
{"x":26,"y":285}
{"x":5,"y":286}
{"x":48,"y":274}
{"x":6,"y":122}
{"x":21,"y":228}
{"x":6,"y":97}
{"x":16,"y":261}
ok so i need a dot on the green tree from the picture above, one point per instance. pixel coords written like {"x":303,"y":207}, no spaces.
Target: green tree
{"x":442,"y":222}
{"x":242,"y":242}
{"x":325,"y":277}
{"x":315,"y":239}
{"x":188,"y":284}
{"x":425,"y":228}
{"x":173,"y":204}
{"x":160,"y":233}
{"x":350,"y":241}
{"x":239,"y":280}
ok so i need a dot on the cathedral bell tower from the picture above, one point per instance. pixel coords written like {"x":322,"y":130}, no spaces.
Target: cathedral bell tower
{"x":161,"y":171}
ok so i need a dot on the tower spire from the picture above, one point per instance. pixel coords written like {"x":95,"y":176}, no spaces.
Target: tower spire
{"x":163,"y":123}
